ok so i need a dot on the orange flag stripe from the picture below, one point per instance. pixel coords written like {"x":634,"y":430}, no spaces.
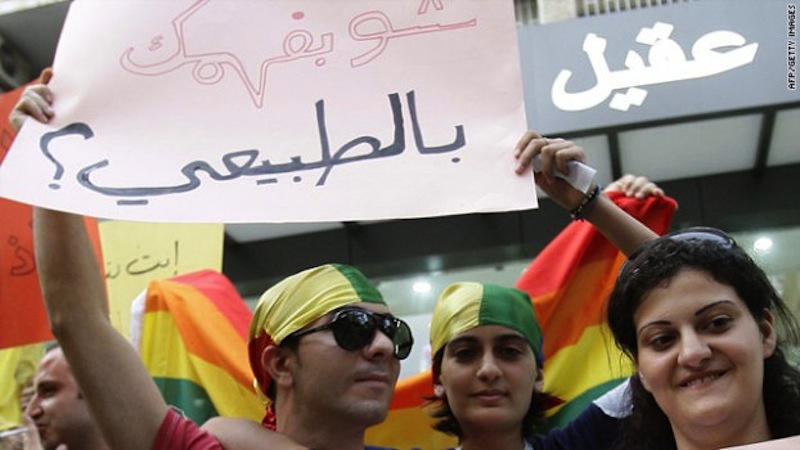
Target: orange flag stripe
{"x":172,"y":296}
{"x":592,"y":286}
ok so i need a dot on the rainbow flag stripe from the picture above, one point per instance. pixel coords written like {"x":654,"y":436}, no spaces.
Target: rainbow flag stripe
{"x":194,"y":343}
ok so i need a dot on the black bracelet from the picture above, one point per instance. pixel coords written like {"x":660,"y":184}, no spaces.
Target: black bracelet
{"x":579,"y":213}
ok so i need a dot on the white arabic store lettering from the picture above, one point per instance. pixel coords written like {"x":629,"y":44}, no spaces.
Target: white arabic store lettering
{"x":667,"y":63}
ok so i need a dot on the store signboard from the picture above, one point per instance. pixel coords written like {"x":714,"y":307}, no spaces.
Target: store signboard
{"x":659,"y":63}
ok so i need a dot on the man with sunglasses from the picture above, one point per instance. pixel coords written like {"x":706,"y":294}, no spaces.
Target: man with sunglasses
{"x":326,"y":351}
{"x":324,"y":347}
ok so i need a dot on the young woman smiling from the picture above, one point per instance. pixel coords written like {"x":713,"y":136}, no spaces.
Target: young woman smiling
{"x":698,"y":317}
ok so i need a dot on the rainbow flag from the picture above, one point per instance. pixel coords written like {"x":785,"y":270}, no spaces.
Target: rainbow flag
{"x":193,"y":340}
{"x":569,"y":282}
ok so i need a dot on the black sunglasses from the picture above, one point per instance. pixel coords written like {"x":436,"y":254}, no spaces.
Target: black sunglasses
{"x":696,"y":234}
{"x":354,"y":329}
{"x":706,"y":234}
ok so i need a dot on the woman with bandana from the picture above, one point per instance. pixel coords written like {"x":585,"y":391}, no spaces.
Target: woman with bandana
{"x":487,"y":371}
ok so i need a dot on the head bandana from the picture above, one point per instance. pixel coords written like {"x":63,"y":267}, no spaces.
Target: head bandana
{"x":464,"y":306}
{"x":298,"y":301}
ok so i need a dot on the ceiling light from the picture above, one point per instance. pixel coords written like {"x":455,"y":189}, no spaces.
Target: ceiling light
{"x":762,"y":244}
{"x":421,"y":287}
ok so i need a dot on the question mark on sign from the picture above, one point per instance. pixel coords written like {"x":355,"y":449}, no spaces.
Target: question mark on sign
{"x":79,"y":128}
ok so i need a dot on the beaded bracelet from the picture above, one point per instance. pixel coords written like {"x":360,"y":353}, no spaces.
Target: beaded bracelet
{"x":579,"y":213}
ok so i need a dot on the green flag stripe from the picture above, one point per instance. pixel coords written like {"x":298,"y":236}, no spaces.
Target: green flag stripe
{"x":187,"y":396}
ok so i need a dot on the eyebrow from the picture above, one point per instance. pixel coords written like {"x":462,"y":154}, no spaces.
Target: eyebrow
{"x":501,"y":338}
{"x":702,"y":310}
{"x":697,"y":313}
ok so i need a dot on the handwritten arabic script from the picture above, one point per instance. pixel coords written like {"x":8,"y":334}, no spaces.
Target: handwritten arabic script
{"x":145,"y":264}
{"x":24,"y":263}
{"x":245,"y":163}
{"x":666,"y":62}
{"x":278,"y":111}
{"x":210,"y":67}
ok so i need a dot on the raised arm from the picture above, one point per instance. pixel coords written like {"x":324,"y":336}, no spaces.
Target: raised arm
{"x":124,"y":401}
{"x":623,"y":230}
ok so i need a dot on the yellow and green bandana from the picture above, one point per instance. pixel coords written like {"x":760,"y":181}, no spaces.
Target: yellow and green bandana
{"x":464,"y":306}
{"x":299,"y":300}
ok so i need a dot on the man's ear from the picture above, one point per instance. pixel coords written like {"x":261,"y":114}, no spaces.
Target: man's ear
{"x":278,"y":362}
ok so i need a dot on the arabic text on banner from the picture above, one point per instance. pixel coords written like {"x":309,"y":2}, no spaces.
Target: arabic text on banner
{"x":282,"y":111}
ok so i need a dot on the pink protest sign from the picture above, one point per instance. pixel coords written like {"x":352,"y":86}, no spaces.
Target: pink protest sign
{"x":279,"y":111}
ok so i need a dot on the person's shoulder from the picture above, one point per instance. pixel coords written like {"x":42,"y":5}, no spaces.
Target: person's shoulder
{"x":218,"y":422}
{"x":179,"y":432}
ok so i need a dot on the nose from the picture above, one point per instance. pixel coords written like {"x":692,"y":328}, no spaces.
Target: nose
{"x":381,"y":347}
{"x":488,"y":369}
{"x":33,"y":409}
{"x":694,"y":351}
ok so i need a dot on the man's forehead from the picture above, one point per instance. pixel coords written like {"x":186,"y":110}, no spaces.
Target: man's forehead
{"x":53,"y":366}
{"x":372,"y":307}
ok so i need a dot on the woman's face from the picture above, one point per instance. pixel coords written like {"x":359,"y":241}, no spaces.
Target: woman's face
{"x":489,"y":374}
{"x":701,"y":355}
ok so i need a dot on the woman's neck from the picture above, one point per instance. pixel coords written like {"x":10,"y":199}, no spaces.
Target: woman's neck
{"x":724,"y":436}
{"x":498,"y":441}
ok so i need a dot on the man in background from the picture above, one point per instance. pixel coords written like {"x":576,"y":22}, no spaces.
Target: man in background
{"x":58,"y":409}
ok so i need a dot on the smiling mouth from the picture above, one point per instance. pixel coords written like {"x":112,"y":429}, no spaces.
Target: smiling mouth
{"x":703,"y":380}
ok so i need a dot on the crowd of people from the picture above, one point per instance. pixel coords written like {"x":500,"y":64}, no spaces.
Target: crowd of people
{"x":698,"y":318}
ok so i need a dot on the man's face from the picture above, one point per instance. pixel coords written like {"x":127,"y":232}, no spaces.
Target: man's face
{"x":356,"y":386}
{"x":57,"y":408}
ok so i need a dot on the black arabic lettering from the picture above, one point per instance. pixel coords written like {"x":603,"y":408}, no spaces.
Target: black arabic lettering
{"x":112,"y":270}
{"x":246,"y":163}
{"x":397,"y":146}
{"x":175,"y":247}
{"x":234,"y":170}
{"x":143,"y":265}
{"x":459,"y":141}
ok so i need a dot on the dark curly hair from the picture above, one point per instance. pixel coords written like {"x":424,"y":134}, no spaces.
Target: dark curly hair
{"x":447,"y":422}
{"x":713,"y":252}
